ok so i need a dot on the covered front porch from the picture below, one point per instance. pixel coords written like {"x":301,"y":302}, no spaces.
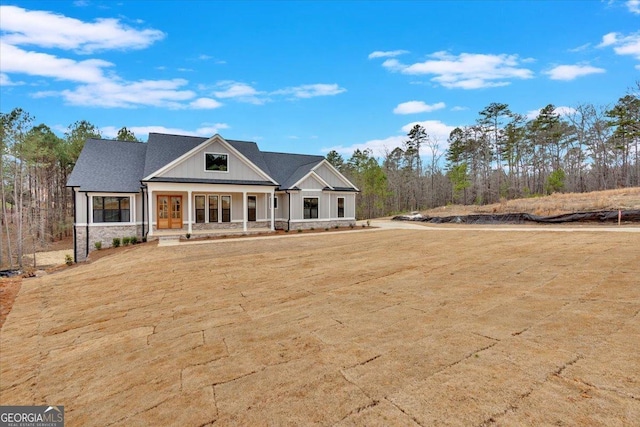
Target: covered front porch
{"x":203,"y":209}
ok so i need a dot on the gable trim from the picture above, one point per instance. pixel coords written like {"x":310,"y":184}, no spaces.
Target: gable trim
{"x":316,"y":177}
{"x":335,"y":171}
{"x":222,"y":141}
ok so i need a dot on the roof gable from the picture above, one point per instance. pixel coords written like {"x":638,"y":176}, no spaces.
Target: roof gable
{"x":191,"y":165}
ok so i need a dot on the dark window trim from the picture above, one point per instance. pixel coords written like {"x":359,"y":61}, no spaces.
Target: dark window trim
{"x":341,"y":209}
{"x":111,"y":215}
{"x":197,"y":210}
{"x":206,"y":161}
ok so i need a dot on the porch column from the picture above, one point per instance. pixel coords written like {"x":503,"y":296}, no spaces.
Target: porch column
{"x":244,"y":211}
{"x":189,"y":215}
{"x":152,"y":212}
{"x":273,"y":210}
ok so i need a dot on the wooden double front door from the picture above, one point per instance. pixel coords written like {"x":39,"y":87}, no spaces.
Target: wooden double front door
{"x":169,"y":212}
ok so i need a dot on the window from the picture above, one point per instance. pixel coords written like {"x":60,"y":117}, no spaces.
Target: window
{"x":213,"y":208}
{"x":310,"y":207}
{"x":216,"y":162}
{"x":200,"y":208}
{"x":275,"y":202}
{"x":226,"y":208}
{"x":251,"y":208}
{"x":111,"y":209}
{"x":340,"y":207}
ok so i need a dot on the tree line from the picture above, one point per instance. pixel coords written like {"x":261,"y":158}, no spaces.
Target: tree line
{"x":503,"y":155}
{"x":35,"y":205}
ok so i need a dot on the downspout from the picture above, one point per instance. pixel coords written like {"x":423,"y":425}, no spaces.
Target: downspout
{"x":75,"y":221}
{"x":86,"y":195}
{"x":289,"y":216}
{"x":142,"y":190}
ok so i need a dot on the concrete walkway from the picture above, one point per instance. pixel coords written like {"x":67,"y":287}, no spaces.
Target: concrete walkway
{"x":387,"y":224}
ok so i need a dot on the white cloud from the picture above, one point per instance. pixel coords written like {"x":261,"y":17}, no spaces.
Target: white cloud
{"x":205,"y":104}
{"x":206,"y":130}
{"x":467,"y":70}
{"x":580,"y":48}
{"x":378,"y":147}
{"x":413,"y":107}
{"x":311,"y":91}
{"x":459,"y":108}
{"x":239,"y":91}
{"x":387,"y":54}
{"x":571,"y":72}
{"x":16,"y":60}
{"x":6,"y":81}
{"x":623,"y":45}
{"x":437,"y":131}
{"x":51,"y":30}
{"x":634,"y":6}
{"x":561,"y":111}
{"x":113,"y":93}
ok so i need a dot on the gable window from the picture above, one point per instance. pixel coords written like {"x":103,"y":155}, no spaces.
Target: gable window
{"x":111,"y":209}
{"x":310,"y":207}
{"x":213,"y":208}
{"x":340,"y":207}
{"x":215,"y":162}
{"x":200,"y":208}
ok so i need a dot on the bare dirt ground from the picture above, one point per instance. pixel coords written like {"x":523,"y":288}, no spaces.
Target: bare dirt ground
{"x":555,"y":204}
{"x":389,"y":327}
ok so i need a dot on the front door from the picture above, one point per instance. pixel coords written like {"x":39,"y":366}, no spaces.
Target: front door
{"x":169,"y":212}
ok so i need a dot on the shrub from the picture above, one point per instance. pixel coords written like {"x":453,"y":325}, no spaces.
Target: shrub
{"x":299,"y":230}
{"x":68,"y":259}
{"x":313,"y":228}
{"x":188,"y":235}
{"x":144,"y":239}
{"x":286,"y":231}
{"x":133,"y":239}
{"x":326,"y":229}
{"x":115,"y":242}
{"x":336,"y":227}
{"x":368,"y":223}
{"x":126,"y":241}
{"x":98,"y":245}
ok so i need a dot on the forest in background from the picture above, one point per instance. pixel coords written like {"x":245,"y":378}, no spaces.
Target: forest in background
{"x":504,"y":155}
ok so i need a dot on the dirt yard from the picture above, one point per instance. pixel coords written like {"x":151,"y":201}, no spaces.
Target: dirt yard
{"x":389,"y":327}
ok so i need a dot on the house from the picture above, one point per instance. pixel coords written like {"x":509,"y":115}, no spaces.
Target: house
{"x":174,"y":185}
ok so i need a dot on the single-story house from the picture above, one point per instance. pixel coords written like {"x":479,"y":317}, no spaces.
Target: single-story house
{"x":174,"y":185}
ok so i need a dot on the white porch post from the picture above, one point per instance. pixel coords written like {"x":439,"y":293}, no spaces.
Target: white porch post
{"x":189,"y":215}
{"x":244,"y":211}
{"x":151,"y":211}
{"x":273,"y":210}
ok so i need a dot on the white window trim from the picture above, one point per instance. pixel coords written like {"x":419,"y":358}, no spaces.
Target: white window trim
{"x":216,"y":154}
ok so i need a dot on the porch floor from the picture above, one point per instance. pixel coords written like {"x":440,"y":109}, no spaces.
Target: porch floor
{"x":208,"y":233}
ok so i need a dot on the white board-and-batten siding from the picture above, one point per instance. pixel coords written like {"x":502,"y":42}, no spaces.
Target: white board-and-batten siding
{"x":194,"y":166}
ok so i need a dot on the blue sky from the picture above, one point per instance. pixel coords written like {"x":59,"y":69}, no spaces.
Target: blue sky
{"x":310,"y":76}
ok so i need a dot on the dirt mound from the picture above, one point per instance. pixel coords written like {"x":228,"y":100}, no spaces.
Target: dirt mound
{"x":521,"y":218}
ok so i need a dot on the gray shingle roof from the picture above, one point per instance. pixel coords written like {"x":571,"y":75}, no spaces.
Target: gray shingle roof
{"x":116,"y":166}
{"x":106,"y":165}
{"x":165,"y":148}
{"x":287,"y":168}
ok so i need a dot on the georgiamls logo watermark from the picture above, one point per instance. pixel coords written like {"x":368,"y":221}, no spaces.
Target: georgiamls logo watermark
{"x":32,"y":416}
